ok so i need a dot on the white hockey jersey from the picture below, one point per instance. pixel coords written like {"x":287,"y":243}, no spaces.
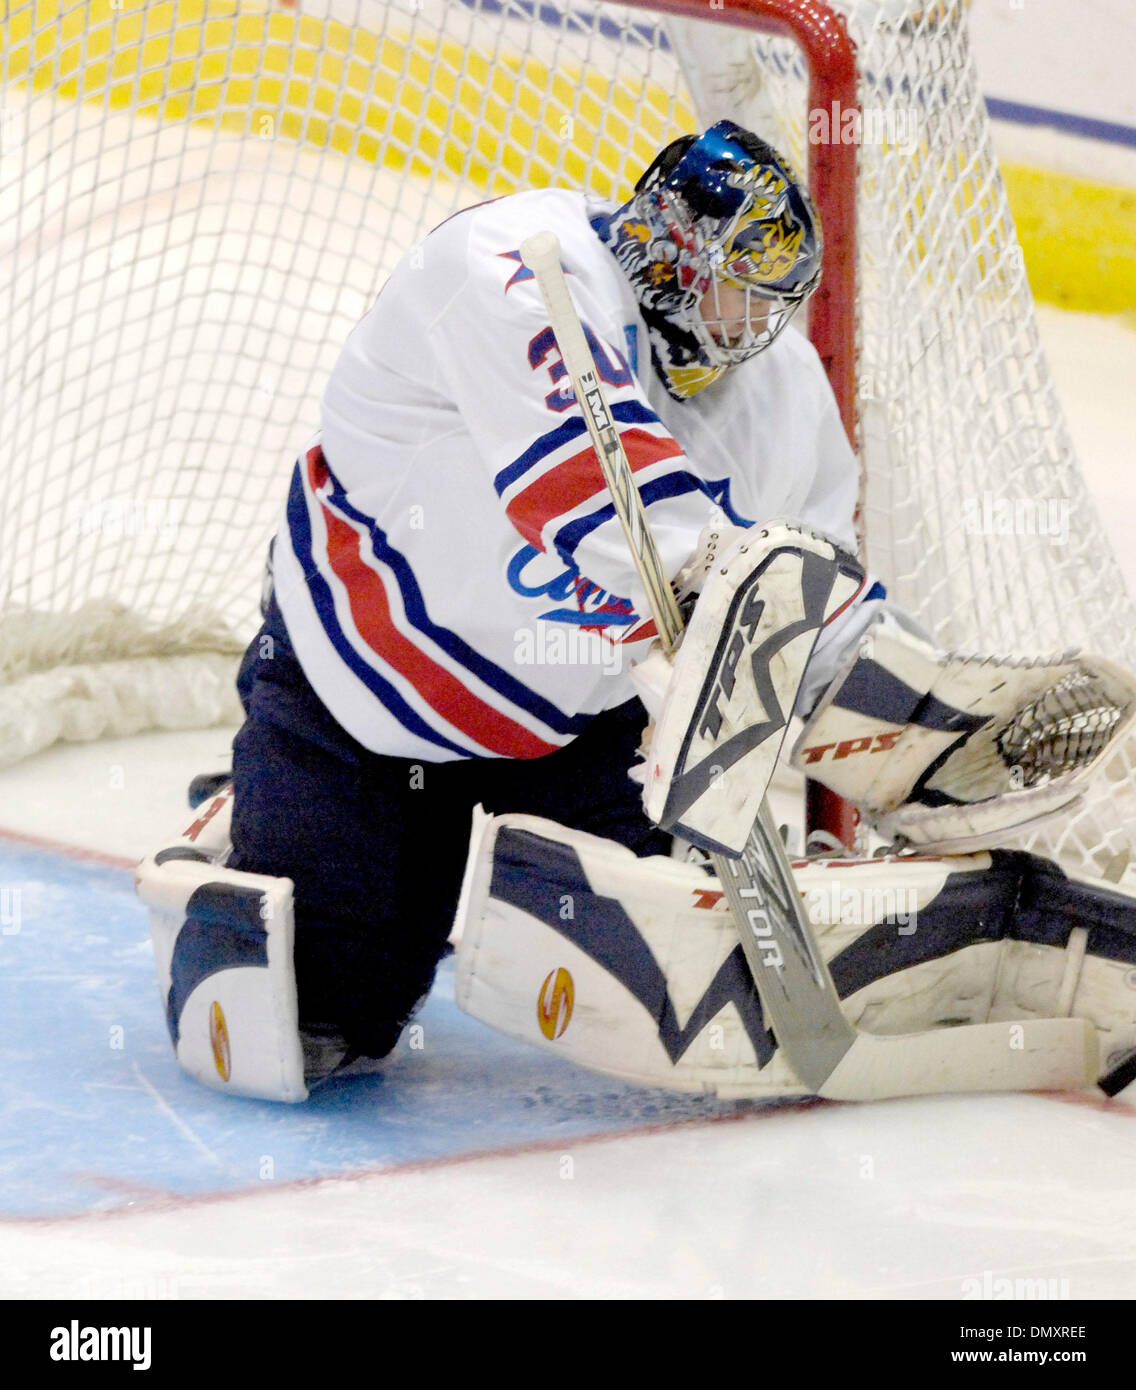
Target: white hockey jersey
{"x":449,"y":566}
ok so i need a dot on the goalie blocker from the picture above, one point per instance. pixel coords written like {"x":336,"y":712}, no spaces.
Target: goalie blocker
{"x":721,"y":714}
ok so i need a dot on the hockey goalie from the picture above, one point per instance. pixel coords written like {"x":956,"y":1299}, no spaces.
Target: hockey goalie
{"x":454,"y":631}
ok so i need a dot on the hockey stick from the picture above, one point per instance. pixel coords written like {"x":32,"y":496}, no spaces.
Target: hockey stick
{"x":798,"y":997}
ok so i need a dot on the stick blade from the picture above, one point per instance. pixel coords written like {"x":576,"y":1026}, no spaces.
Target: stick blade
{"x":1114,"y":1081}
{"x":1041,"y":1054}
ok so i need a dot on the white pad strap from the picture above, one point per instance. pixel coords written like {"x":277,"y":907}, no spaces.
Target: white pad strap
{"x":1071,"y":978}
{"x":223,"y":947}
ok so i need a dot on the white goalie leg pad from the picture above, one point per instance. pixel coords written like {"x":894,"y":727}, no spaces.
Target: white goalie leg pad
{"x":1004,"y":937}
{"x":629,"y":966}
{"x":223,"y":947}
{"x":730,"y":696}
{"x":632,"y":966}
{"x":1088,"y":971}
{"x":958,"y":753}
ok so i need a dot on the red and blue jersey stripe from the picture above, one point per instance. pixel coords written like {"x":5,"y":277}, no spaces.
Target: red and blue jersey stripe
{"x":383,"y":633}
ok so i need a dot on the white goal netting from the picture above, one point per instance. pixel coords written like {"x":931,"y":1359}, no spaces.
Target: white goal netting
{"x":199,"y":199}
{"x":197,"y":203}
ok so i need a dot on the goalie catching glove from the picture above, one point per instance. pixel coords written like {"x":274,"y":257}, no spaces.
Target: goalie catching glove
{"x":960,"y":752}
{"x":932,"y":748}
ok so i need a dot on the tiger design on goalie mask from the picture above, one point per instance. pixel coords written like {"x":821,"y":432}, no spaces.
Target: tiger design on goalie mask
{"x":721,"y":209}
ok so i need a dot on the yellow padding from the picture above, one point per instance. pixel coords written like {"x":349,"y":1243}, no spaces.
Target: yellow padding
{"x":427,"y":105}
{"x":1078,"y":238}
{"x":423,"y":103}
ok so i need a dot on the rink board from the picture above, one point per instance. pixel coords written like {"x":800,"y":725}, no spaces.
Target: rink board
{"x":95,"y":1115}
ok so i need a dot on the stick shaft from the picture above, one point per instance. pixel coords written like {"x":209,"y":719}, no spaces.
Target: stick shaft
{"x":541,"y":253}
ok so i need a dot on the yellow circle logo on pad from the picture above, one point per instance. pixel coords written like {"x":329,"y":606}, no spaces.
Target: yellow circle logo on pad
{"x":219,"y":1039}
{"x":554,"y":1006}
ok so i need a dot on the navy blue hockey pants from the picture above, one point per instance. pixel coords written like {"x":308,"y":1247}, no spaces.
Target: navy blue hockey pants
{"x":376,"y":845}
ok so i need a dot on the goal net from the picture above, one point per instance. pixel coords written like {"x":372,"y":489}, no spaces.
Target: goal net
{"x":199,"y":199}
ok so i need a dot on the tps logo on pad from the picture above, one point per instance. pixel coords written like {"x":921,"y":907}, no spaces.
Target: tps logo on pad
{"x":554,"y":1005}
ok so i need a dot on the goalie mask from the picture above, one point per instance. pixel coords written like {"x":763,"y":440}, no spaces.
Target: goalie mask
{"x":721,"y":246}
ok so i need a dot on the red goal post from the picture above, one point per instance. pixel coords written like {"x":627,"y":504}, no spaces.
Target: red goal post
{"x":829,"y":53}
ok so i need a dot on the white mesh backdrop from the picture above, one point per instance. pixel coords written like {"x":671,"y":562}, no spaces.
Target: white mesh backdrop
{"x":196,"y":208}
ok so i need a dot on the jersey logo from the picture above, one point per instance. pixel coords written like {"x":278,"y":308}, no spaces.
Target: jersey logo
{"x":585,"y":604}
{"x":521,"y":274}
